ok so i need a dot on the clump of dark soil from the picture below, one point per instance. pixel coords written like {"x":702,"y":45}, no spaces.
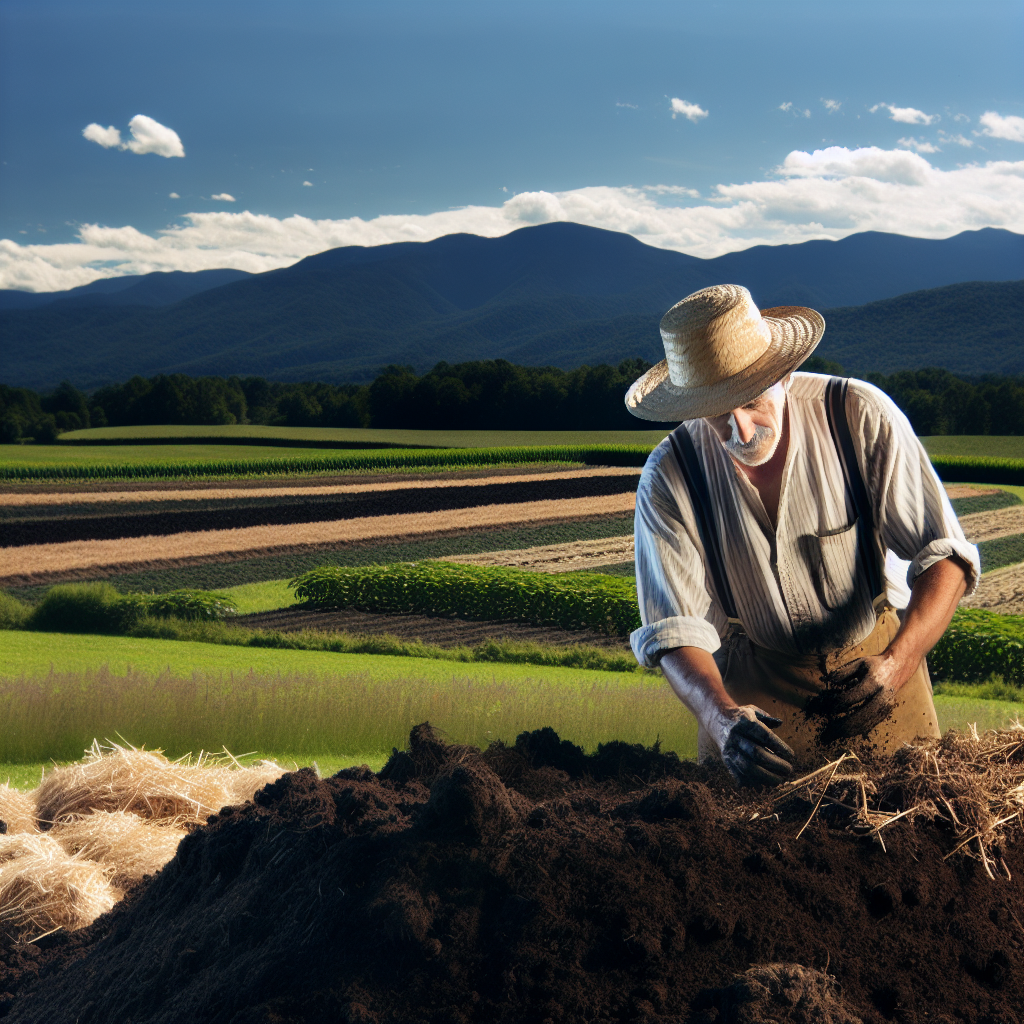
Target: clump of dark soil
{"x":537,"y":883}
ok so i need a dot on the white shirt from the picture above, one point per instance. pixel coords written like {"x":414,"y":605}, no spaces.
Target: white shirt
{"x":798,"y":588}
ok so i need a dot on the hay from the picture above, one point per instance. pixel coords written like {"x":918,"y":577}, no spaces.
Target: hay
{"x":127,"y":846}
{"x":243,"y":783}
{"x":143,"y":782}
{"x":17,"y":810}
{"x":43,"y":889}
{"x":973,"y":783}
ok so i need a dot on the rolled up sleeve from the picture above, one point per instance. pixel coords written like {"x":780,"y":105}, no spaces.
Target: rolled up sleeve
{"x":915,"y":517}
{"x":675,"y":607}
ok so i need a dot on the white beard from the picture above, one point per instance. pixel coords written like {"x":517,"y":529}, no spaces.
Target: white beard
{"x":758,"y":450}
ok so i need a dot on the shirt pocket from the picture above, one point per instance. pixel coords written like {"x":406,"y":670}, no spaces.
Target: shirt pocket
{"x":837,"y":569}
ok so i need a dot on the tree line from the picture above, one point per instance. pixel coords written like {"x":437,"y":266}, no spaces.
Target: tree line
{"x":486,"y":395}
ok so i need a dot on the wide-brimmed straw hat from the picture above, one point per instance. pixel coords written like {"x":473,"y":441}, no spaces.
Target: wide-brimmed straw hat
{"x":721,"y":352}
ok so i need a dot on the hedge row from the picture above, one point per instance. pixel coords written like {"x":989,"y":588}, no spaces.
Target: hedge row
{"x":583,"y":601}
{"x":606,"y":604}
{"x":973,"y":657}
{"x":382,"y":459}
{"x":979,"y":469}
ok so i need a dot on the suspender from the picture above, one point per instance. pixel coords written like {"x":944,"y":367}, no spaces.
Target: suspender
{"x":700,"y":498}
{"x":839,"y":426}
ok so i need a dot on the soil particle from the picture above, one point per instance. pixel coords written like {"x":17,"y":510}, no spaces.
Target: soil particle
{"x":537,"y":883}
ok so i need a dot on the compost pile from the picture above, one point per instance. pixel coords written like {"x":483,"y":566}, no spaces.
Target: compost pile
{"x":537,"y":883}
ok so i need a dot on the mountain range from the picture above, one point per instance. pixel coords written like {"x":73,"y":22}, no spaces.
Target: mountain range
{"x":558,"y":294}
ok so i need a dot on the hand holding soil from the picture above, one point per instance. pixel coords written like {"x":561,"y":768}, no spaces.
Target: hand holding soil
{"x":751,"y":752}
{"x":856,"y":698}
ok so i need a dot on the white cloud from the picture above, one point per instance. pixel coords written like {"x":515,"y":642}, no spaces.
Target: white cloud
{"x":148,"y":136}
{"x":961,"y":117}
{"x":691,"y":111}
{"x":831,"y":105}
{"x":828,"y":193}
{"x":630,"y":106}
{"x":786,"y":106}
{"x":307,"y":184}
{"x":105,"y":137}
{"x":956,"y":140}
{"x":173,"y":195}
{"x":223,"y":197}
{"x":1009,"y":127}
{"x":795,"y":111}
{"x":906,"y":115}
{"x":919,"y":145}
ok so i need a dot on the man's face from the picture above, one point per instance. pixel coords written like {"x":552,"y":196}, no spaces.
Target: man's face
{"x":752,"y":433}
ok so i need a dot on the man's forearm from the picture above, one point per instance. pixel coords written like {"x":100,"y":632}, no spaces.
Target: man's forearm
{"x":696,"y":681}
{"x":934,"y":598}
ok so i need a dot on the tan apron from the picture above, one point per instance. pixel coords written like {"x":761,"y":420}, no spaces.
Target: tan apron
{"x":782,"y":684}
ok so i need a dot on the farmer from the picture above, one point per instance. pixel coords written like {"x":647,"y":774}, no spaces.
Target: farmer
{"x":763,"y":524}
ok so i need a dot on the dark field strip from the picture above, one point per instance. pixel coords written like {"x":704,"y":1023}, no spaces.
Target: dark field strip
{"x":444,"y":631}
{"x":984,"y":503}
{"x":20,"y":533}
{"x":215,"y":575}
{"x":1001,"y":551}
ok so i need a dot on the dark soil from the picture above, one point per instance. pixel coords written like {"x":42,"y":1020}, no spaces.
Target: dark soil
{"x":59,"y":527}
{"x":539,"y":884}
{"x":441,"y":631}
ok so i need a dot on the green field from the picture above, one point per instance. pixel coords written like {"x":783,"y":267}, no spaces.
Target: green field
{"x":996,"y":446}
{"x":361,"y":436}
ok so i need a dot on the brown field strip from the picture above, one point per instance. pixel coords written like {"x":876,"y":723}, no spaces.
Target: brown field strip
{"x":13,"y":499}
{"x":581,"y":554}
{"x":1000,"y":591}
{"x":34,"y":563}
{"x":1004,"y":522}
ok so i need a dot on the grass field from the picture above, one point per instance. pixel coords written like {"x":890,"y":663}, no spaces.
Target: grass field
{"x":997,"y":446}
{"x":358,"y":436}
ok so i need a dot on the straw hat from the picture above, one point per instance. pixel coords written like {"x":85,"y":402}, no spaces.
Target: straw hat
{"x":721,"y":353}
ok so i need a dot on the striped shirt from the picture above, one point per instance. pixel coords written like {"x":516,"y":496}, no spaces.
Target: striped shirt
{"x":799,"y":588}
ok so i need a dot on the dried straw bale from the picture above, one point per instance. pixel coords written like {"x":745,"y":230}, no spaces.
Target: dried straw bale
{"x":127,"y":846}
{"x":42,"y":888}
{"x":143,"y":782}
{"x":17,"y":810}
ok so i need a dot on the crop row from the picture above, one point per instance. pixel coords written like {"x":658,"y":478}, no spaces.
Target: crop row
{"x":377,"y":459}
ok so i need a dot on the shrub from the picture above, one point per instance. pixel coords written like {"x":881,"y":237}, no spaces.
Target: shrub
{"x":189,"y":604}
{"x":961,"y":657}
{"x":583,"y":601}
{"x":86,"y":608}
{"x":13,"y":613}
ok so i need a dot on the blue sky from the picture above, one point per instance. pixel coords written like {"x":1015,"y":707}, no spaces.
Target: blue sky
{"x":408,"y":120}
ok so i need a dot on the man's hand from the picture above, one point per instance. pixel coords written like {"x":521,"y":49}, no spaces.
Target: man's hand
{"x":754,"y":755}
{"x":859,"y":696}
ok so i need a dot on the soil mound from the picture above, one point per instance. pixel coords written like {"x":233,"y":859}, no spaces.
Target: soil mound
{"x":538,"y":883}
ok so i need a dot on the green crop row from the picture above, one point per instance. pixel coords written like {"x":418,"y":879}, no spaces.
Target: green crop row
{"x":976,"y":657}
{"x":377,"y":459}
{"x":981,"y":469}
{"x":603,"y":603}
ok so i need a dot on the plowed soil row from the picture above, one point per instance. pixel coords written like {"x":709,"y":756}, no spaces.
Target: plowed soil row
{"x":536,"y":884}
{"x":436,"y":630}
{"x":1001,"y":591}
{"x":578,"y":555}
{"x":260,"y":489}
{"x":42,"y":563}
{"x":352,"y":505}
{"x":1004,"y":522}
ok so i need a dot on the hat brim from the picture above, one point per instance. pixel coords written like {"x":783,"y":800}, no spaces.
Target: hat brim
{"x":795,"y":333}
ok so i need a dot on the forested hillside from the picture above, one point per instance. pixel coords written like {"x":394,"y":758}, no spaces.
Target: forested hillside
{"x":554,"y":295}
